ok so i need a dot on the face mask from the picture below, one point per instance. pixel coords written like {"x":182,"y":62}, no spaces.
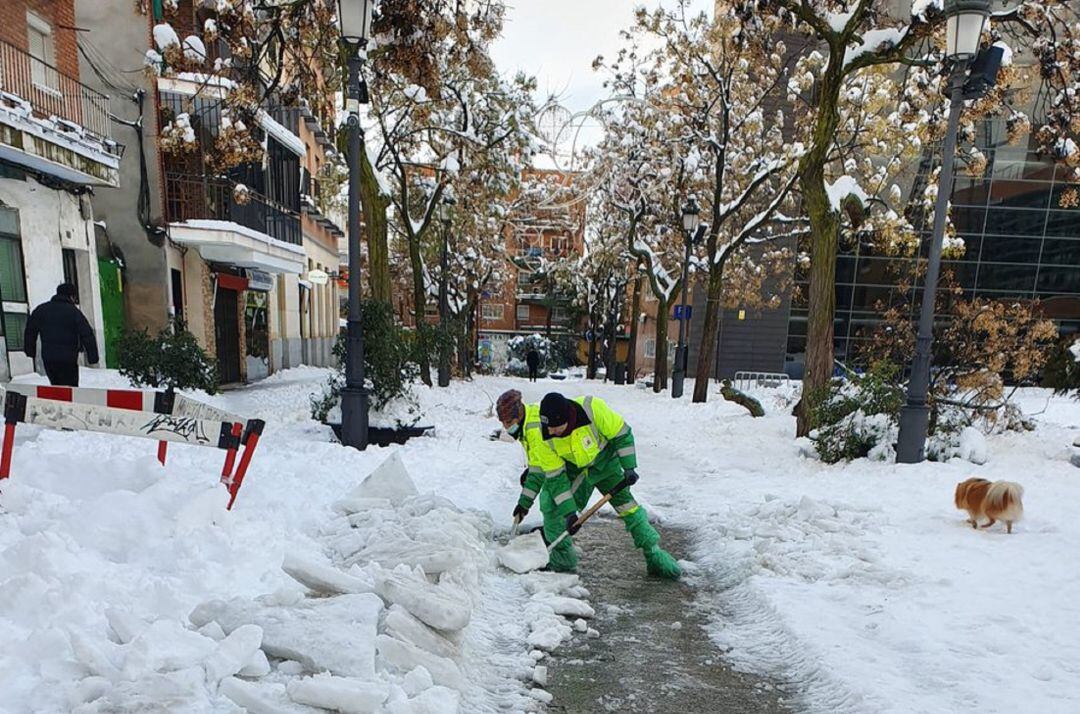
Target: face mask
{"x":513,"y":429}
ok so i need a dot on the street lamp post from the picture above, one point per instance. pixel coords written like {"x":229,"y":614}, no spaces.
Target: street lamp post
{"x":965,"y":20}
{"x":690,"y":220}
{"x":446,"y":216}
{"x":354,"y":20}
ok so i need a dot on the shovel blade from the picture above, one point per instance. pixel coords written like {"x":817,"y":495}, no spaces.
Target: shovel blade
{"x":524,"y":553}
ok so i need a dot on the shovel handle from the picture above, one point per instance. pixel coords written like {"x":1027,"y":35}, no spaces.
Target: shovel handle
{"x":589,"y":513}
{"x":514,"y":528}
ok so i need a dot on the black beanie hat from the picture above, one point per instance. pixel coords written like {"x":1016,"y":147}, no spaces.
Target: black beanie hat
{"x":554,"y":409}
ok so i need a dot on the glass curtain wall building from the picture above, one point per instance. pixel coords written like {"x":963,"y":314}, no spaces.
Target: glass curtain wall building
{"x":1021,"y":228}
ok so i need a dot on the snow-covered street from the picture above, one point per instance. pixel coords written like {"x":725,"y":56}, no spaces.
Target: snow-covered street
{"x":857,"y":588}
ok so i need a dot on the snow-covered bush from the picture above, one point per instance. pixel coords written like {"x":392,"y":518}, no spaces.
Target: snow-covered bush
{"x":1062,"y":371}
{"x":389,"y":369}
{"x":857,"y":417}
{"x":517,"y":349}
{"x":172,"y":359}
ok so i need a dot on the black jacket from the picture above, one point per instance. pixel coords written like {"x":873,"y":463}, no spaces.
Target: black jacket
{"x":64,"y":331}
{"x":532,"y":359}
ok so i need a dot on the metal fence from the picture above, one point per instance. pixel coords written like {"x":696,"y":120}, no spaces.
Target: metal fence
{"x":51,"y":93}
{"x":746,"y":380}
{"x":191,"y":197}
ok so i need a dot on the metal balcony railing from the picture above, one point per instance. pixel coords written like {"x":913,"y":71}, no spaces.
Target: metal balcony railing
{"x":52,"y":93}
{"x":191,"y":197}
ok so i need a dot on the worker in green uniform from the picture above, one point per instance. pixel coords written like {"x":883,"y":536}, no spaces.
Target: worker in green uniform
{"x":572,"y":447}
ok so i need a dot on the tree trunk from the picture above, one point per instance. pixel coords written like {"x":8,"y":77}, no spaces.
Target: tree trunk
{"x":661,"y":362}
{"x":590,"y":369}
{"x":825,"y":236}
{"x":709,"y":330}
{"x":635,"y":311}
{"x":375,"y":205}
{"x":423,"y":359}
{"x":742,"y":399}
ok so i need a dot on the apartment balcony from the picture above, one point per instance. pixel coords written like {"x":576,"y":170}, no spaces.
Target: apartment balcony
{"x":53,"y":124}
{"x":245,"y":229}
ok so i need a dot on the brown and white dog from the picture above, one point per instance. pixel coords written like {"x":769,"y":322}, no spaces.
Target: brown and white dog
{"x":997,"y":501}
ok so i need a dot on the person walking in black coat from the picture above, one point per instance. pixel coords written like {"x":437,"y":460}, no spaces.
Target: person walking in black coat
{"x":64,"y":332}
{"x":532,"y":359}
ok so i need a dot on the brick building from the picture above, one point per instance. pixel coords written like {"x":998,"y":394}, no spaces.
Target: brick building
{"x":525,"y":303}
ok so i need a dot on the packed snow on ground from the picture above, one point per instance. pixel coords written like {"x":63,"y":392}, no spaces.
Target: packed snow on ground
{"x":858,"y":587}
{"x":338,"y":582}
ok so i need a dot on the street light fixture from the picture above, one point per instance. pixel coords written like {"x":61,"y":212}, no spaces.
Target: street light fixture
{"x":965,"y":22}
{"x":446,"y":217}
{"x":354,"y":24}
{"x":691,"y":218}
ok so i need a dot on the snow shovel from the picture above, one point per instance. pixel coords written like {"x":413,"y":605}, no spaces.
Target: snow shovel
{"x":528,"y":552}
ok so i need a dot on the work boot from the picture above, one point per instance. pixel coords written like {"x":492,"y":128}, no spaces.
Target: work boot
{"x":563,"y":557}
{"x":658,"y":562}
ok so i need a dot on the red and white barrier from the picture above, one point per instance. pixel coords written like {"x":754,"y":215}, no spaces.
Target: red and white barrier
{"x":162,"y":416}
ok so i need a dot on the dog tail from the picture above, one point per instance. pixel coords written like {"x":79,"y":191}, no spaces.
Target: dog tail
{"x":1003,"y":501}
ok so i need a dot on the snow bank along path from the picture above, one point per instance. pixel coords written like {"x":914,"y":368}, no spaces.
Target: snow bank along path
{"x":128,"y":587}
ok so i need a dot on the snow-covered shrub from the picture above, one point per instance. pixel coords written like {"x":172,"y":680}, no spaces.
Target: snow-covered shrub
{"x":172,"y":359}
{"x":389,"y":369}
{"x":1062,"y":371}
{"x":857,"y":417}
{"x":517,"y":349}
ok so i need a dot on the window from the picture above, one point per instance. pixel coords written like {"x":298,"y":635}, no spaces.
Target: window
{"x":12,"y":279}
{"x":40,"y":43}
{"x":560,"y":314}
{"x":71,"y":270}
{"x":492,"y":311}
{"x":650,"y":348}
{"x":523,"y":313}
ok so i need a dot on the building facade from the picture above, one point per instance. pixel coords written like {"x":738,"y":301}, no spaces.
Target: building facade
{"x":525,"y":302}
{"x":55,"y":146}
{"x":228,"y":252}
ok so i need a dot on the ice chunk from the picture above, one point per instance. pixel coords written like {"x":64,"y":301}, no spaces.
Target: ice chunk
{"x":549,"y":582}
{"x":580,"y":625}
{"x":257,"y":666}
{"x":350,"y":696}
{"x":322,"y":578}
{"x":180,"y":691}
{"x":166,"y":646}
{"x":213,"y":631}
{"x":404,"y":626}
{"x":333,"y":634}
{"x":436,"y":605}
{"x":261,"y":697}
{"x":406,"y":657}
{"x":548,"y":633}
{"x":417,"y":681}
{"x":524,"y":553}
{"x":391,"y":553}
{"x":390,"y":480}
{"x":540,"y":675}
{"x":566,"y":606}
{"x":437,"y":700}
{"x":541,"y":695}
{"x":233,"y":653}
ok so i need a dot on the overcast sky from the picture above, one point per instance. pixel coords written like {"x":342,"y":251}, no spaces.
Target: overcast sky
{"x":557,"y":40}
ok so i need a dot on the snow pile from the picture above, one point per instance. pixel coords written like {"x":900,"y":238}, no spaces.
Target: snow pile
{"x":1074,"y":350}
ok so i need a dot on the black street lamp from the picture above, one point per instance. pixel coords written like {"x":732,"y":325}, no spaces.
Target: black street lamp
{"x":690,"y":221}
{"x":965,"y":21}
{"x":446,"y":217}
{"x":354,"y":23}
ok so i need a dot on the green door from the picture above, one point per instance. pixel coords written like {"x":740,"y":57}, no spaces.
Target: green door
{"x":112,"y":306}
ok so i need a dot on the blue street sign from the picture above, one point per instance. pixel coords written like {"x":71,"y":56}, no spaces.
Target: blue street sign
{"x":679,"y":312}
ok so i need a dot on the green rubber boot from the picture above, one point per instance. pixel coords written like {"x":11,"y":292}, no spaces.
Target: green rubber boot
{"x":658,"y":562}
{"x":563,"y":557}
